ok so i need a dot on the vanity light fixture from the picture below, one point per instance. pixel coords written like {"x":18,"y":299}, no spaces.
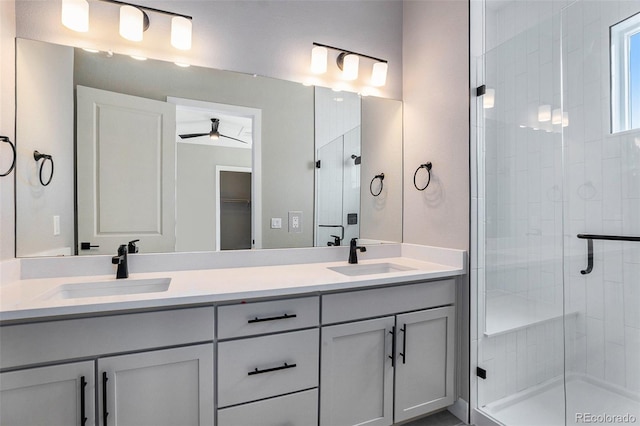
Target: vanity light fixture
{"x":489,"y":98}
{"x":348,"y":62}
{"x":75,"y":15}
{"x":134,"y":21}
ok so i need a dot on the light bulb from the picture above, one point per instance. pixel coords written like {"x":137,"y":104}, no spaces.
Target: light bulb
{"x":131,"y":23}
{"x":319,"y":60}
{"x":75,"y":15}
{"x":350,"y":64}
{"x":181,"y":33}
{"x":556,"y":116}
{"x":379,"y":74}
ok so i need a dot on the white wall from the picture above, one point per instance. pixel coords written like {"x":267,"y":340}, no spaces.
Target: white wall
{"x":45,"y":124}
{"x":267,"y":37}
{"x":436,"y":129}
{"x":436,"y":121}
{"x":7,"y":118}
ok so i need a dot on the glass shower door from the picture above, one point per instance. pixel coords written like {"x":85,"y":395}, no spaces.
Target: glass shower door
{"x":520,"y":282}
{"x":602,"y":199}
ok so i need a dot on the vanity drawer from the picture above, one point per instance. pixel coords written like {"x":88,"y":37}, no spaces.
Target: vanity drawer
{"x":261,"y":367}
{"x":43,"y":342}
{"x":297,"y":409}
{"x":247,"y":319}
{"x":353,"y":305}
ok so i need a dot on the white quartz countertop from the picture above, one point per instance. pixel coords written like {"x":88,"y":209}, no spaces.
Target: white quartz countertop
{"x":27,"y":299}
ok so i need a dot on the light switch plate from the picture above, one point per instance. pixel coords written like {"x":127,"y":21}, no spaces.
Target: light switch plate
{"x":276,"y":223}
{"x":295,"y":221}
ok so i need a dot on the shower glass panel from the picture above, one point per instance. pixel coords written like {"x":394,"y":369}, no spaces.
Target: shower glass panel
{"x":558,"y":341}
{"x":520,"y":201}
{"x":602,"y":197}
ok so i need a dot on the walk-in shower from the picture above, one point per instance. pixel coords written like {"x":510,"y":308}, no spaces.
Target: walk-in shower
{"x":557,"y":173}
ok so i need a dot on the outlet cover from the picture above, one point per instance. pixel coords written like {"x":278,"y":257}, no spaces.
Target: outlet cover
{"x":295,"y":221}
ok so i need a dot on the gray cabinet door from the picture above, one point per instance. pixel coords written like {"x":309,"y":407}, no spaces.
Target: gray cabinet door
{"x":48,"y":396}
{"x":356,"y":375}
{"x":424,"y":362}
{"x":160,"y":388}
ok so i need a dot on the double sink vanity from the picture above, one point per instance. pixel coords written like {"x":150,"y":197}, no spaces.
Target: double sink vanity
{"x":311,"y":341}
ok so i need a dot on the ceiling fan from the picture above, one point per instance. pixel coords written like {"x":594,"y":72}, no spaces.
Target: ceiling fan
{"x":213,"y":134}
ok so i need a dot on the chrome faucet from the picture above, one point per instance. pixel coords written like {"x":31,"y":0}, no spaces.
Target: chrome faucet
{"x":353,"y":251}
{"x":121,"y":261}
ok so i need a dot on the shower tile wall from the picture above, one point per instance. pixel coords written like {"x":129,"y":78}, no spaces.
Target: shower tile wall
{"x":602,"y":183}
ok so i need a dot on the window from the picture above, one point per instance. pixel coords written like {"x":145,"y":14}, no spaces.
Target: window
{"x":625,"y":74}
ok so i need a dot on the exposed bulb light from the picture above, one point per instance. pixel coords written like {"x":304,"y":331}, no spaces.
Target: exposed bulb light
{"x":350,"y":64}
{"x":379,"y":74}
{"x":181,"y":33}
{"x":565,"y":119}
{"x":75,"y":15}
{"x":489,"y":98}
{"x":556,"y":116}
{"x":544,"y":113}
{"x":214,"y":135}
{"x":319,"y":60}
{"x":131,"y":23}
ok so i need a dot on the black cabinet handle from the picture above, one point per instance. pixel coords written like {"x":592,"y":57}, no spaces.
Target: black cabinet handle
{"x":393,"y":346}
{"x":87,"y":246}
{"x":268,"y":370}
{"x":105,"y":413}
{"x":403,"y":354}
{"x":285,"y":316}
{"x":83,"y":417}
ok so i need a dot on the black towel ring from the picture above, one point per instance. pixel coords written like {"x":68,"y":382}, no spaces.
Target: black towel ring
{"x":422,"y":166}
{"x":13,"y":149}
{"x":381,"y":177}
{"x":38,"y":156}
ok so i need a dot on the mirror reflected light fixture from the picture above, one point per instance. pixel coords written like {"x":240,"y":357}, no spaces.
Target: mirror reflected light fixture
{"x":134,"y":21}
{"x":348,"y":62}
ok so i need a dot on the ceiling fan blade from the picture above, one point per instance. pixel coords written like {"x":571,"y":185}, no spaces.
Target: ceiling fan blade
{"x":193,"y":135}
{"x":229,"y":137}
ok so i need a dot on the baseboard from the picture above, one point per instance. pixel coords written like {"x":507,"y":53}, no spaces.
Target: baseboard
{"x":460,"y":409}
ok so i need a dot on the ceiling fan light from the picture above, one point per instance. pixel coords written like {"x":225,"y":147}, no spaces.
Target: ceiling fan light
{"x":379,"y":74}
{"x":75,"y":15}
{"x":181,"y":33}
{"x":319,"y":59}
{"x":214,"y":135}
{"x":131,"y":23}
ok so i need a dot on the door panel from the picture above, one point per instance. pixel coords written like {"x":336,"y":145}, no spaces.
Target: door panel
{"x":47,"y":396}
{"x":125,"y":197}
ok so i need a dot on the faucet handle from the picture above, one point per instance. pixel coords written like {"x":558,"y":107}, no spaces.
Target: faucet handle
{"x":133,"y":248}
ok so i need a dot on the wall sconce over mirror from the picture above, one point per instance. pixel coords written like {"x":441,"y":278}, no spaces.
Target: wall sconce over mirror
{"x":348,"y":62}
{"x":134,"y":21}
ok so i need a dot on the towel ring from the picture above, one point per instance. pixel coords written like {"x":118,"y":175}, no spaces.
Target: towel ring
{"x":38,"y":156}
{"x":422,"y":166}
{"x":13,"y":149}
{"x":381,"y":177}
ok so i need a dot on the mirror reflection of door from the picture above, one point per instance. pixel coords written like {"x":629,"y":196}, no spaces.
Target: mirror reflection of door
{"x":235,"y":210}
{"x":124,"y":197}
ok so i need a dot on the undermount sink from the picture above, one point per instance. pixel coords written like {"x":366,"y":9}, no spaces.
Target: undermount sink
{"x":108,"y":288}
{"x":370,"y":269}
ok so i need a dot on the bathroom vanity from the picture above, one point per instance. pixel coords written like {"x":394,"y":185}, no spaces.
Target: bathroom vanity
{"x":299,"y":344}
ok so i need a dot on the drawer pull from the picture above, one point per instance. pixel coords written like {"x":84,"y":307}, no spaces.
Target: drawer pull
{"x":285,"y":316}
{"x":268,"y":370}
